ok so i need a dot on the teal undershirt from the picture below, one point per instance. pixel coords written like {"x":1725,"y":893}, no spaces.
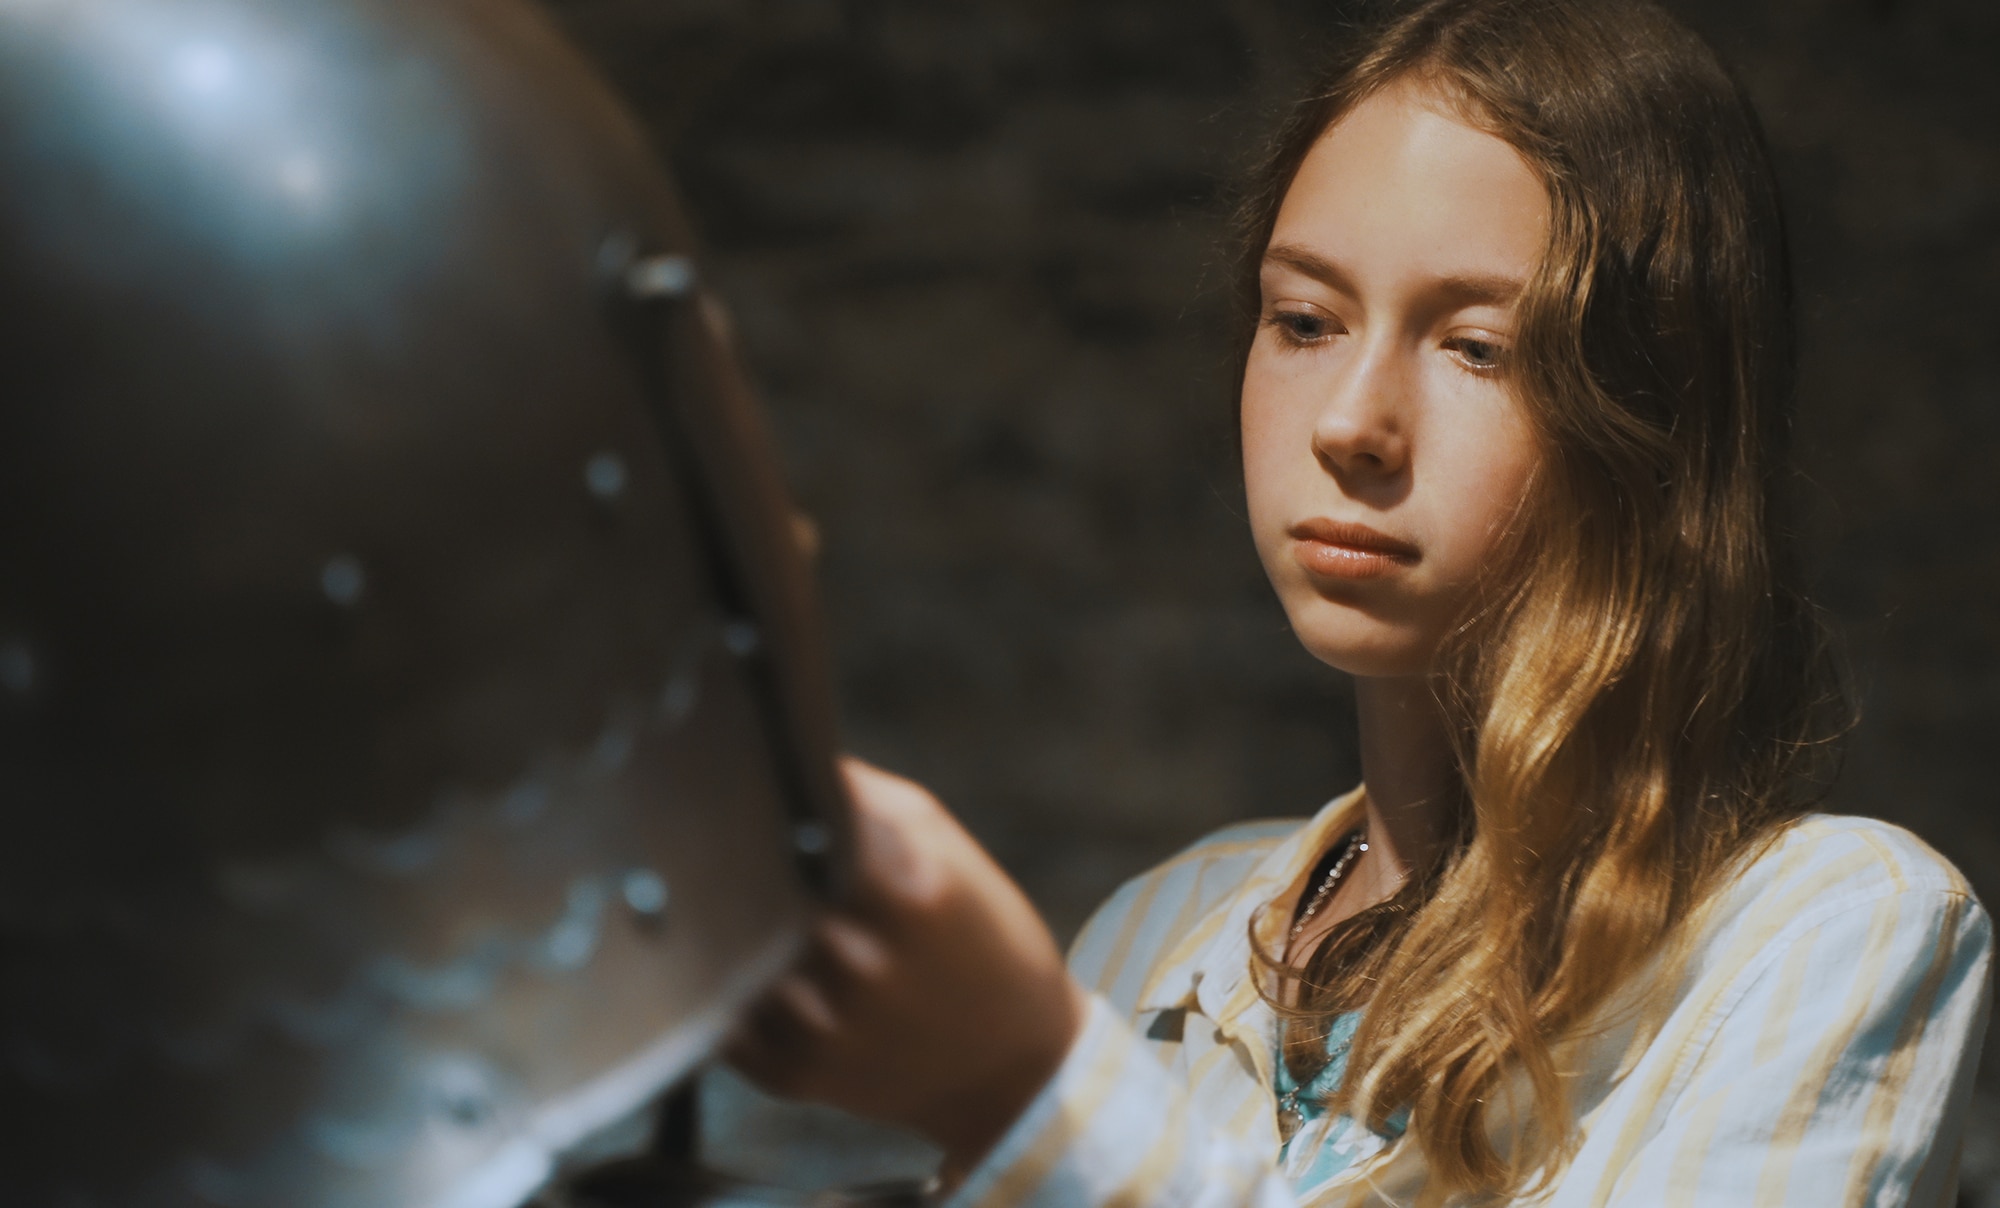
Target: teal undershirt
{"x":1336,"y":1150}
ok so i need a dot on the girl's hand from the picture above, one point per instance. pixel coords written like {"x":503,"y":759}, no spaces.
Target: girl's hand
{"x":934,"y":999}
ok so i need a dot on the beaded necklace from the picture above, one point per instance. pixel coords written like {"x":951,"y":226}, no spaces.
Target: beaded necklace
{"x":1357,"y":842}
{"x":1290,"y":1115}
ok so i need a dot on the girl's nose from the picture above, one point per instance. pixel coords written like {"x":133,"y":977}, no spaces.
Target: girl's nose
{"x":1361,"y":430}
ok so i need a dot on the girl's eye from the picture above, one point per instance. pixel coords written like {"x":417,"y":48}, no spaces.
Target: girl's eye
{"x":1482,"y":356}
{"x":1302,"y":326}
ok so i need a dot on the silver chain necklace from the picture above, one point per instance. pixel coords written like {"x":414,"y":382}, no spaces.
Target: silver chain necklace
{"x":1290,"y":1114}
{"x":1357,"y":842}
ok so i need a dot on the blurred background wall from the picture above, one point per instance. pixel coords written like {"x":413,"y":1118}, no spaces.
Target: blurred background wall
{"x":975,"y":250}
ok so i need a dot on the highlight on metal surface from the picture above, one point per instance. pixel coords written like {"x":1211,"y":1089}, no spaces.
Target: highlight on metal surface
{"x":668,"y":276}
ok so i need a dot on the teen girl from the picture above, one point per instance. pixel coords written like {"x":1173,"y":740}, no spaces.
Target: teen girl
{"x":1514,"y":427}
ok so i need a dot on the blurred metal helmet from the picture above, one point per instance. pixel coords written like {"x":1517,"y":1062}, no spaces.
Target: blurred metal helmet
{"x":413,"y":743}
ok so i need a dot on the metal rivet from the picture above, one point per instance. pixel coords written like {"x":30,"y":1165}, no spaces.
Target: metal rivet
{"x":343,"y":580}
{"x":17,"y":668}
{"x":574,"y":939}
{"x":605,"y":475}
{"x":645,"y":891}
{"x":572,"y":944}
{"x":741,"y":638}
{"x":661,"y":277}
{"x":810,"y":838}
{"x":468,"y":1112}
{"x":463,"y":1093}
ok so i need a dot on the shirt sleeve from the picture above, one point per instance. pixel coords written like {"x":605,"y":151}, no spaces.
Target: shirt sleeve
{"x":1114,"y":1127}
{"x":1842,"y":1074}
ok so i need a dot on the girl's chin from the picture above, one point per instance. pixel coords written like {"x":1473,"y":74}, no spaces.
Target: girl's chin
{"x":1369,"y":651}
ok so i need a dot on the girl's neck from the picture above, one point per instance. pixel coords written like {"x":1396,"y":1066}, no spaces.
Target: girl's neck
{"x":1407,"y":764}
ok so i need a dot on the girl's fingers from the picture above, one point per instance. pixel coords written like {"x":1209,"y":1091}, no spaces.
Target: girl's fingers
{"x":752,"y":1054}
{"x":805,"y":1008}
{"x":854,"y":949}
{"x":904,"y":842}
{"x":844,"y":960}
{"x":795,"y":1026}
{"x":783,"y":1036}
{"x":821,"y":965}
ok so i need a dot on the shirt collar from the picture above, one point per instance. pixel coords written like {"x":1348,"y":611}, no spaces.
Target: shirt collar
{"x":1210,"y":967}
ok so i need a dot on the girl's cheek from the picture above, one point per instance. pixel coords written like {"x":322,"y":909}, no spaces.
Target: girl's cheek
{"x":1277,"y":414}
{"x":1495,"y":465}
{"x":1269,"y":482}
{"x":1254,"y":414}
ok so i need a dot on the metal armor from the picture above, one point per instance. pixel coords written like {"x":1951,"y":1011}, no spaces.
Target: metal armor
{"x":413,"y":741}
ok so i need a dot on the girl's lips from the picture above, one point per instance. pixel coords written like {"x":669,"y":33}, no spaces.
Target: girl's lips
{"x":1342,"y":550}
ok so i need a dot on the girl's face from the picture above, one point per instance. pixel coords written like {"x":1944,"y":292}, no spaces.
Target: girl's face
{"x":1383,"y":449}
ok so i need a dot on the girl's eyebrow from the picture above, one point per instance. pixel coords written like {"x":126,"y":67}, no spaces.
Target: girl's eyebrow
{"x":1312,"y":264}
{"x":1474,"y":289}
{"x":1454,"y":290}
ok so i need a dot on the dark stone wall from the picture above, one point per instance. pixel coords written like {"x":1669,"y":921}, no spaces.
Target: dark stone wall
{"x":975,"y":252}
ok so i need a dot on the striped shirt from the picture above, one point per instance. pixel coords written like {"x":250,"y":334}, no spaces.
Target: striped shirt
{"x":1817,"y":1051}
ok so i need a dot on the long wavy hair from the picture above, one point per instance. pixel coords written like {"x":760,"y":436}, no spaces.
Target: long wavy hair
{"x":1642,"y":694}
